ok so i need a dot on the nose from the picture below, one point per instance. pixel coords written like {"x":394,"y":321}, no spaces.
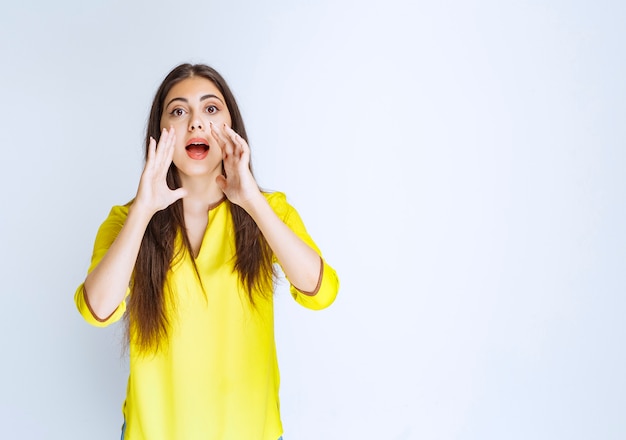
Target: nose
{"x":195,"y":123}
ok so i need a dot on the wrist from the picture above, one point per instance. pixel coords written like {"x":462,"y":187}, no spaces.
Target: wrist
{"x":255,"y":204}
{"x":140,"y":213}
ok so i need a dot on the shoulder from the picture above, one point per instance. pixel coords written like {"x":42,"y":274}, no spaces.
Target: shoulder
{"x":119,"y":213}
{"x":108,"y":231}
{"x":275,"y":197}
{"x":116,"y":218}
{"x":121,"y":210}
{"x":278,"y":201}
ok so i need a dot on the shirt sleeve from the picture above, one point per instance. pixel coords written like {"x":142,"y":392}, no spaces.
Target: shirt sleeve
{"x":106,"y":235}
{"x":328,"y":283}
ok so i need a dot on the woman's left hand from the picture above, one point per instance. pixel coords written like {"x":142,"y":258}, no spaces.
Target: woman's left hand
{"x":239,"y":185}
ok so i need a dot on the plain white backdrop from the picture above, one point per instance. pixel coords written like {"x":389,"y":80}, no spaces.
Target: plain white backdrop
{"x":460,"y":163}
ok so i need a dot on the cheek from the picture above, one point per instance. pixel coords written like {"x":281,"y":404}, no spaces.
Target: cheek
{"x":180,"y":127}
{"x":219,"y":119}
{"x":224,"y":117}
{"x":164,"y":121}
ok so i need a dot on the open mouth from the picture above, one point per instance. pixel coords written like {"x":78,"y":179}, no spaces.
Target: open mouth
{"x":197,"y":149}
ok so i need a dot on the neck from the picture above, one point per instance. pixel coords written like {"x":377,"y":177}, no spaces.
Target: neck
{"x":202,"y":194}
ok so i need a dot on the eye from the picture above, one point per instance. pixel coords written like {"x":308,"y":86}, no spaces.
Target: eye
{"x":211,"y":109}
{"x":177,"y":112}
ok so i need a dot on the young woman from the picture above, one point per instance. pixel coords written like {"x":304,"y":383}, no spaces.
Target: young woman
{"x":189,"y":265}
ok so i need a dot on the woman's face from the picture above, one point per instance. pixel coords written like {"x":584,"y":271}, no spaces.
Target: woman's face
{"x":189,"y":107}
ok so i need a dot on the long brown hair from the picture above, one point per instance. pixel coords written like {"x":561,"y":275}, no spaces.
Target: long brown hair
{"x":147,"y":313}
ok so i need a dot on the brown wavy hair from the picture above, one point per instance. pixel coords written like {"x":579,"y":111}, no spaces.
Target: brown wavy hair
{"x":147,"y":315}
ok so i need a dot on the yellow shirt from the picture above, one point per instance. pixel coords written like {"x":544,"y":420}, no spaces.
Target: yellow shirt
{"x":217,"y":377}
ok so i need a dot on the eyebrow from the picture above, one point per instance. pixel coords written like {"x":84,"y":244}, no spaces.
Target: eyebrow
{"x":202,"y":98}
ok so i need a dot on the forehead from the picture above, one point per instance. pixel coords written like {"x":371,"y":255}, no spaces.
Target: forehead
{"x":192,"y":89}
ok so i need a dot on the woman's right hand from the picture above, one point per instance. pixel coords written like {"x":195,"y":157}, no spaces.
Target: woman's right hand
{"x":153,"y":194}
{"x":106,"y":285}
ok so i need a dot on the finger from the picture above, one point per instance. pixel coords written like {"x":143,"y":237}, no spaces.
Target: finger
{"x":242,"y":149}
{"x":179,"y":194}
{"x":243,"y":145}
{"x":235,"y":139}
{"x":161,"y":143}
{"x":216,"y":138}
{"x":165,"y":149}
{"x":223,"y":140}
{"x":221,"y":182}
{"x":170,"y":147}
{"x":151,"y":151}
{"x":230,"y":136}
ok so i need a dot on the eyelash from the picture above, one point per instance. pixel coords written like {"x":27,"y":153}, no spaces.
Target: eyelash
{"x":211,"y":109}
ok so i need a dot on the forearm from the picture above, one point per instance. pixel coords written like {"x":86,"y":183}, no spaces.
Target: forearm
{"x":300,"y":262}
{"x":106,"y":285}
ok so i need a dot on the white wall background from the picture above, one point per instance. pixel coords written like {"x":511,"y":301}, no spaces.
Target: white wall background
{"x":460,"y":163}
